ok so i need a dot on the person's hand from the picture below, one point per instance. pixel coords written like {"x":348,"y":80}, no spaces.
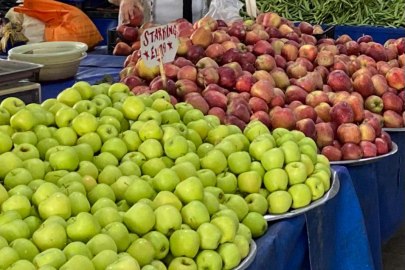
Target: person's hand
{"x":127,"y":8}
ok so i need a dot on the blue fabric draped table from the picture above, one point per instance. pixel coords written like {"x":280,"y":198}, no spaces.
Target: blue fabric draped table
{"x":345,"y":233}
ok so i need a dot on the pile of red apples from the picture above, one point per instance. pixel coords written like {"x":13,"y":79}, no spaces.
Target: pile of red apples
{"x":338,"y":92}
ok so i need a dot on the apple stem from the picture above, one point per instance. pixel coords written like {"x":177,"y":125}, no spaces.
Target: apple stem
{"x":162,"y":70}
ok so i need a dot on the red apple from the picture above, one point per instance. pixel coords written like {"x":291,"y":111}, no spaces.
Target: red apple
{"x":339,"y":81}
{"x":349,"y":133}
{"x":382,"y":146}
{"x":393,"y":102}
{"x":324,"y":134}
{"x":342,"y":113}
{"x":332,"y":153}
{"x":393,"y":119}
{"x":323,"y":111}
{"x":351,"y":151}
{"x":369,"y":149}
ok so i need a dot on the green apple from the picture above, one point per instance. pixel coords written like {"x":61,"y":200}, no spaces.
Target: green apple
{"x":131,"y":139}
{"x":217,"y":192}
{"x":85,"y":89}
{"x":86,"y":106}
{"x":190,"y":157}
{"x":101,"y":203}
{"x":316,"y":187}
{"x":213,"y":120}
{"x":24,"y":137}
{"x":150,"y":114}
{"x":33,"y":224}
{"x":25,"y":248}
{"x":257,"y":167}
{"x":8,"y":257}
{"x":209,"y":235}
{"x":101,"y":242}
{"x":215,"y":160}
{"x":322,"y":167}
{"x":169,"y":132}
{"x":166,"y":198}
{"x":44,"y":145}
{"x":249,"y":182}
{"x":194,"y":214}
{"x":138,"y":189}
{"x":84,"y":123}
{"x":109,"y":111}
{"x":324,"y":160}
{"x":21,"y":190}
{"x":12,"y":105}
{"x":272,"y":159}
{"x":204,"y":149}
{"x":14,"y":229}
{"x":100,"y":104}
{"x":239,"y":162}
{"x":166,"y":180}
{"x":4,"y":117}
{"x":308,"y":164}
{"x":176,"y":147}
{"x":254,"y":129}
{"x":160,"y":94}
{"x":9,"y":162}
{"x":104,"y":97}
{"x":151,"y":148}
{"x":211,"y":203}
{"x":285,"y":138}
{"x":47,"y":104}
{"x":35,"y":167}
{"x":189,"y":190}
{"x":201,"y":126}
{"x":104,"y":259}
{"x":87,"y":168}
{"x":26,"y":151}
{"x":243,"y":246}
{"x":123,"y":263}
{"x":137,"y":125}
{"x":159,"y":242}
{"x":142,"y":251}
{"x":184,"y":170}
{"x":259,"y":146}
{"x":6,"y":143}
{"x":92,"y":139}
{"x":106,"y":132}
{"x":84,"y":151}
{"x":217,"y":134}
{"x":168,"y":219}
{"x":194,"y":137}
{"x":153,"y":166}
{"x":66,"y":159}
{"x":56,"y":204}
{"x":207,"y":177}
{"x":245,"y":232}
{"x":184,"y":243}
{"x":17,"y":203}
{"x":43,"y":192}
{"x":227,"y":226}
{"x":209,"y":259}
{"x":301,"y":195}
{"x":182,"y":108}
{"x":257,"y":203}
{"x":51,"y":235}
{"x":276,"y":179}
{"x":123,"y":206}
{"x":161,"y":105}
{"x":324,"y":177}
{"x":65,"y":116}
{"x":78,"y":262}
{"x":23,"y":120}
{"x":297,"y":173}
{"x":240,"y":142}
{"x":100,"y":191}
{"x":150,"y":130}
{"x":107,"y":215}
{"x":3,"y":194}
{"x":109,"y":175}
{"x":70,"y":178}
{"x":52,"y":257}
{"x":69,"y":96}
{"x":182,"y":263}
{"x":129,"y":168}
{"x":79,"y":203}
{"x":192,"y":115}
{"x":105,"y":159}
{"x":119,"y":233}
{"x":256,"y":223}
{"x":18,"y":176}
{"x":77,"y":248}
{"x":65,"y":136}
{"x":118,"y":88}
{"x":54,"y":176}
{"x":230,"y":255}
{"x":22,"y":265}
{"x":120,"y":186}
{"x":291,"y":152}
{"x":132,"y":108}
{"x":146,"y":99}
{"x":56,"y":107}
{"x":7,"y":129}
{"x":140,"y":218}
{"x":238,"y":205}
{"x":9,"y":216}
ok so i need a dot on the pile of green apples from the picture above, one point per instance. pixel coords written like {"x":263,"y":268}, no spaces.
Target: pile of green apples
{"x":101,"y":179}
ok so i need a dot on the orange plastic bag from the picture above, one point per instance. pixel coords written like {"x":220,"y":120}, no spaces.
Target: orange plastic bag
{"x":63,"y":22}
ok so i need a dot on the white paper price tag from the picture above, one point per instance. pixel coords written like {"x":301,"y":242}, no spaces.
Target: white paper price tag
{"x":163,"y":38}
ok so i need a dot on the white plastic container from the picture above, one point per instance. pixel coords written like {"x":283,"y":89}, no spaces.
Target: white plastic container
{"x":60,"y":71}
{"x":48,"y":52}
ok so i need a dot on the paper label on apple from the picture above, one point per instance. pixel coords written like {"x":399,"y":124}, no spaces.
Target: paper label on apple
{"x":163,"y":38}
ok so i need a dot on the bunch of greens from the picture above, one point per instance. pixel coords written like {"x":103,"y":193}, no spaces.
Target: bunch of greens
{"x":386,"y":13}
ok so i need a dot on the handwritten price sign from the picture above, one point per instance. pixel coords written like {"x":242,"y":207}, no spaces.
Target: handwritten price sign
{"x":163,"y":39}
